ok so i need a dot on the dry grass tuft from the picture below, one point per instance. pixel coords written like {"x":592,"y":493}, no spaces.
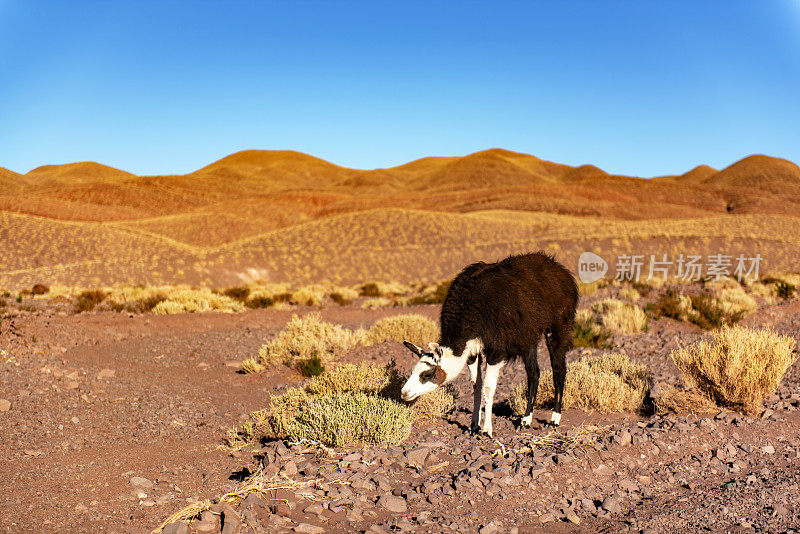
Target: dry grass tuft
{"x":309,"y":295}
{"x":375,"y":303}
{"x":303,"y":338}
{"x":363,"y":378}
{"x":737,"y":367}
{"x":621,"y":317}
{"x":607,"y":383}
{"x":258,"y":483}
{"x":682,"y":401}
{"x":412,"y":327}
{"x":347,"y":405}
{"x":340,"y":419}
{"x":197,"y":301}
{"x":87,"y":300}
{"x":570,"y":442}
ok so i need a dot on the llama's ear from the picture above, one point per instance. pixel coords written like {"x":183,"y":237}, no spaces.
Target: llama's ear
{"x":433,"y":347}
{"x":413,"y":348}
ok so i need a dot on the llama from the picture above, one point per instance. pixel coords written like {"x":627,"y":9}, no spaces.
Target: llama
{"x":498,"y":312}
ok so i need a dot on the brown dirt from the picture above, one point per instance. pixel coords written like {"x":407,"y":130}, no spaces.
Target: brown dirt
{"x":175,"y":389}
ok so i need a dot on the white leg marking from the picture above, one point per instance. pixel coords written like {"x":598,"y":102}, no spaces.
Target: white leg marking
{"x":555,"y":418}
{"x":527,"y":420}
{"x":477,"y":385}
{"x":489,"y":386}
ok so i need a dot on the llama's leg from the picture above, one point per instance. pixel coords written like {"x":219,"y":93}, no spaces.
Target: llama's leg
{"x":477,"y":384}
{"x":532,"y":370}
{"x":489,"y":386}
{"x":559,"y":341}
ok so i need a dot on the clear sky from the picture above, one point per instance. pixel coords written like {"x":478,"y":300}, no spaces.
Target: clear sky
{"x":635,"y":87}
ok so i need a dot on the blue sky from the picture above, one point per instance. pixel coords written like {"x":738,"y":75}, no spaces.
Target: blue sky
{"x":636,"y":87}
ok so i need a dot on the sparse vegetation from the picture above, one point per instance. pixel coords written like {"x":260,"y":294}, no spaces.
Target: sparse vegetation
{"x":607,"y":383}
{"x":588,"y":332}
{"x":784,"y":289}
{"x":39,"y":289}
{"x":412,"y":327}
{"x":736,"y":367}
{"x":351,"y":404}
{"x":704,"y":310}
{"x":679,"y":401}
{"x":303,"y":338}
{"x":87,"y":300}
{"x":196,"y":301}
{"x":621,"y":317}
{"x":240,"y":293}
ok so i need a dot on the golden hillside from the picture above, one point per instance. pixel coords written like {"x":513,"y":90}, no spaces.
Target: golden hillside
{"x":290,"y":216}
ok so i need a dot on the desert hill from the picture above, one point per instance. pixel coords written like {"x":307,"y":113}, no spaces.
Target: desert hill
{"x":294,"y":215}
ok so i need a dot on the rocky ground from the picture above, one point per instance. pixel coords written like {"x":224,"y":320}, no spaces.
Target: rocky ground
{"x":112,"y":422}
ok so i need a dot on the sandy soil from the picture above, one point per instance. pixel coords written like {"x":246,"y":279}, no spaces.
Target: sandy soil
{"x":115,"y":422}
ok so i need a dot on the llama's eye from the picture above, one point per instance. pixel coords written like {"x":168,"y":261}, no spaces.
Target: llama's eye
{"x":427,"y":376}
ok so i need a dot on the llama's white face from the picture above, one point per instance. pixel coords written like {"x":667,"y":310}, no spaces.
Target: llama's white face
{"x":429,"y":373}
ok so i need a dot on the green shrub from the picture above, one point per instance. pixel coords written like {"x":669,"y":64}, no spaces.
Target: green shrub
{"x":311,"y":367}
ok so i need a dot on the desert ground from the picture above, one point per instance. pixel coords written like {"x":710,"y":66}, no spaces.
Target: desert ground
{"x":116,"y":420}
{"x":134,"y":312}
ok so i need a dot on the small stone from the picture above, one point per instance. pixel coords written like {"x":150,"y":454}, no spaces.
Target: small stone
{"x":573,"y":518}
{"x":393,"y":503}
{"x":5,"y":405}
{"x":314,"y":509}
{"x":490,"y":528}
{"x":625,"y":438}
{"x":611,"y":504}
{"x":203,"y":527}
{"x":178,"y":527}
{"x":768,"y":449}
{"x":308,"y":528}
{"x":106,"y":373}
{"x":417,"y":457}
{"x":141,"y":482}
{"x":290,"y":468}
{"x":231,"y":522}
{"x":547,"y":518}
{"x":75,"y":420}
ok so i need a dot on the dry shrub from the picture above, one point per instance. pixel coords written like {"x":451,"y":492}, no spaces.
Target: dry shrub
{"x":383,"y":289}
{"x":767,"y":292}
{"x":197,"y":301}
{"x":375,"y":303}
{"x":239,"y":293}
{"x":591,"y":288}
{"x":433,"y":405}
{"x":630,"y":294}
{"x":39,"y":289}
{"x":607,"y":383}
{"x":412,"y":327}
{"x":682,"y":401}
{"x":621,"y":317}
{"x":309,"y":295}
{"x":340,"y":419}
{"x":343,"y":295}
{"x":137,"y":298}
{"x":87,"y":300}
{"x":434,"y":294}
{"x":303,"y":338}
{"x":736,"y":367}
{"x":363,"y":378}
{"x":735,"y":301}
{"x":347,"y":405}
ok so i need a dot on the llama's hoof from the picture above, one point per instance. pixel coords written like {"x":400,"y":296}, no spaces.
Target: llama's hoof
{"x":555,"y":419}
{"x":527,"y":420}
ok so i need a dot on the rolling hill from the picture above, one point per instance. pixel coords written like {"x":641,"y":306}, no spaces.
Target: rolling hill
{"x":298,"y":217}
